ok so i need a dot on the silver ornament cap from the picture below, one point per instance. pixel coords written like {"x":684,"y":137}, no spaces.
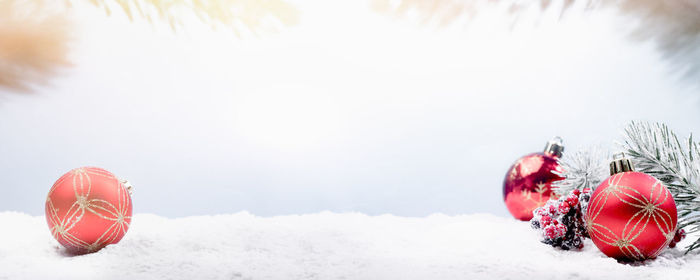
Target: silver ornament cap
{"x":554,"y":147}
{"x":129,"y":187}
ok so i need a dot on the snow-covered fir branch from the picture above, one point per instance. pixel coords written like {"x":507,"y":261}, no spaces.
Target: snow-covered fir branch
{"x":657,"y":151}
{"x":584,"y":169}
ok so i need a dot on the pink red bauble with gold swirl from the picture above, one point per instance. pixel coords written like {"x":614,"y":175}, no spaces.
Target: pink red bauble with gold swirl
{"x":631,"y":216}
{"x":87,"y":209}
{"x":528,"y":184}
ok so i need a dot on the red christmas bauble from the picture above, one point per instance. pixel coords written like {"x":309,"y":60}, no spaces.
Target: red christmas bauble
{"x":631,"y":216}
{"x":528,"y":184}
{"x":87,"y":209}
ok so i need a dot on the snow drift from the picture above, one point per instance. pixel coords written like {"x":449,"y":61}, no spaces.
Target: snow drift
{"x":321,"y":246}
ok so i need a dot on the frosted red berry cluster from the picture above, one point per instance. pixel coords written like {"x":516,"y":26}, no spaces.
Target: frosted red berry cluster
{"x":680,"y":234}
{"x":561,"y":221}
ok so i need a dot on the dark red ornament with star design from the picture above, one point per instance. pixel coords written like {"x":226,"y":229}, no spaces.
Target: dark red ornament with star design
{"x":528,"y":183}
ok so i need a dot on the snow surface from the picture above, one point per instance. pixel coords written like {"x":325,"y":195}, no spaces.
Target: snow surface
{"x":321,"y":246}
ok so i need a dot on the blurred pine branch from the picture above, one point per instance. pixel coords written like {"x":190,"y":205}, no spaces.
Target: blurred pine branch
{"x":239,"y":15}
{"x":35,"y":34}
{"x":672,"y":26}
{"x":446,"y":12}
{"x":33,"y":44}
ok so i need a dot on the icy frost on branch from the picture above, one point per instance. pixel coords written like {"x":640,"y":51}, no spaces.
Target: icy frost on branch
{"x":584,"y":169}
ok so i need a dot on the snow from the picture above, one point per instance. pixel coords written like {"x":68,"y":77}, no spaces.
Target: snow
{"x":321,"y":246}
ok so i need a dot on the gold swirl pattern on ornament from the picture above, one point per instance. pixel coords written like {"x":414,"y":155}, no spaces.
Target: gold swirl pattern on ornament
{"x":82,"y":186}
{"x":649,"y":210}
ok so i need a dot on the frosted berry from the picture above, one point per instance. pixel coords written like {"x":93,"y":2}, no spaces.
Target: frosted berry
{"x":550,"y":232}
{"x":680,"y":235}
{"x":561,"y":230}
{"x":563,"y":207}
{"x":545,"y":221}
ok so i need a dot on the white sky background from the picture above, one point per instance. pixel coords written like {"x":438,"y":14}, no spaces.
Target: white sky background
{"x":350,"y":110}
